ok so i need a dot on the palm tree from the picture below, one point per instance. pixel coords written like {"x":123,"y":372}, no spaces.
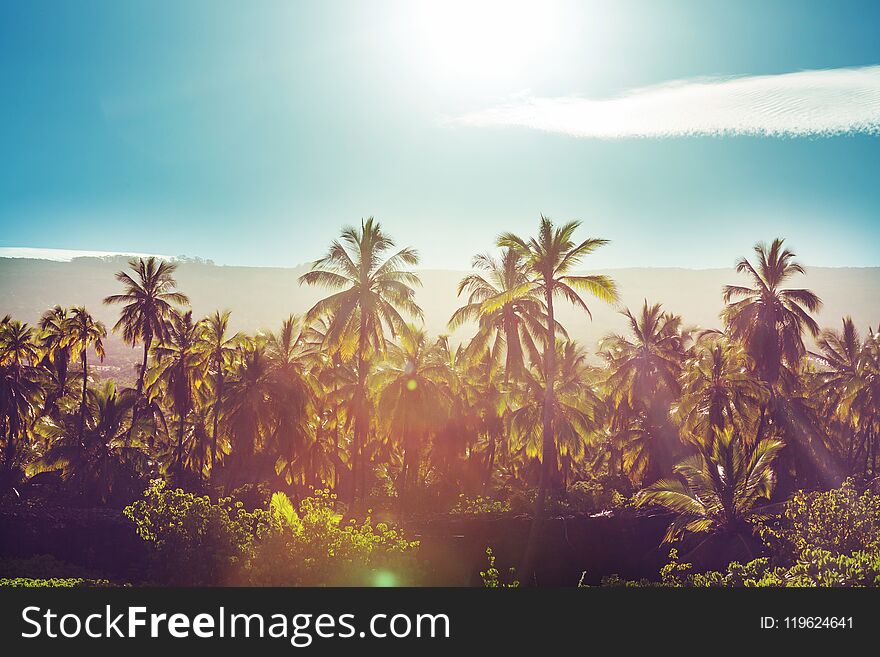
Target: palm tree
{"x":651,"y":360}
{"x":219,"y":348}
{"x":294,"y":440}
{"x":411,"y":398}
{"x":249,"y":410}
{"x":103,"y":465}
{"x":56,"y":353}
{"x":147,"y":309}
{"x":371,"y":296}
{"x":643,"y":382}
{"x":572,"y":419}
{"x":769,"y":319}
{"x":17,"y":345}
{"x":719,"y":487}
{"x":718,"y":388}
{"x":550,"y":258}
{"x":84,"y":332}
{"x":178,"y":368}
{"x":333,"y":382}
{"x":844,"y":387}
{"x":508,"y":309}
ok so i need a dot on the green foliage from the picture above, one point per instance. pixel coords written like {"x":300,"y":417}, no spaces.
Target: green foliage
{"x":69,"y":583}
{"x":196,"y":542}
{"x":718,"y":488}
{"x":492,"y":576}
{"x":312,"y":545}
{"x":467,"y":505}
{"x":841,"y":521}
{"x":827,"y":539}
{"x":590,"y":496}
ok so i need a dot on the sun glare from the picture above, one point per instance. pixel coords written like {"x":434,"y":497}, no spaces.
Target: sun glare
{"x":482,"y":40}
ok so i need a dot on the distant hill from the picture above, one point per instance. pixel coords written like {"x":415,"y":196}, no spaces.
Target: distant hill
{"x":261,"y":297}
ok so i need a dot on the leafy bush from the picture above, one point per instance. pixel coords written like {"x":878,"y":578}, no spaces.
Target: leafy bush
{"x":827,"y":539}
{"x":841,"y":521}
{"x":196,"y":542}
{"x":815,"y":567}
{"x":479,"y":504}
{"x":69,"y":582}
{"x":492,"y":576}
{"x":313,"y":546}
{"x":591,"y":496}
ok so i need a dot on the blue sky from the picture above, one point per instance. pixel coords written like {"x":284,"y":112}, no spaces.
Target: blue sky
{"x":249,"y":136}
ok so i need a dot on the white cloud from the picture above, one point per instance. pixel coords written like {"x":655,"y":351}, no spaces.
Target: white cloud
{"x":823,"y":103}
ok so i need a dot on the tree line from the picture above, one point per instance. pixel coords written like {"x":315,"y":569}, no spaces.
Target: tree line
{"x":355,"y":396}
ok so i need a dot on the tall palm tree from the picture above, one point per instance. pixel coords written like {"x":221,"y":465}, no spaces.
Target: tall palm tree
{"x":551,"y":257}
{"x":148,"y":304}
{"x":372,"y":293}
{"x":84,"y":332}
{"x":769,"y":319}
{"x":249,"y":411}
{"x":508,"y":309}
{"x":651,"y":359}
{"x":643,"y":381}
{"x":218,"y":347}
{"x":56,"y":353}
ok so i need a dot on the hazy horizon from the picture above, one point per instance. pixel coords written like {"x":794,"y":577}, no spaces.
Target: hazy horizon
{"x":261,"y":297}
{"x":70,"y":255}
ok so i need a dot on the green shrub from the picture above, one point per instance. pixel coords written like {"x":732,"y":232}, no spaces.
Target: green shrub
{"x":591,"y":496}
{"x":479,"y":504}
{"x":841,"y":521}
{"x":829,"y":539}
{"x":196,"y":542}
{"x":59,"y":582}
{"x":314,"y":546}
{"x":492,"y":576}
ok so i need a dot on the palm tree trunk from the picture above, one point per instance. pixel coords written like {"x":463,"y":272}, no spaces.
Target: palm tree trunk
{"x":548,"y":456}
{"x":217,"y":403}
{"x":762,"y":418}
{"x":148,"y":342}
{"x":181,"y":425}
{"x":490,"y":459}
{"x":360,"y":428}
{"x":82,"y":404}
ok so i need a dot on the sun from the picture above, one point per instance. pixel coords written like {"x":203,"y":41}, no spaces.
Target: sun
{"x":484,"y":39}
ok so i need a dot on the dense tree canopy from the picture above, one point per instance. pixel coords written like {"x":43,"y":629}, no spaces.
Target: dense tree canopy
{"x":355,"y":396}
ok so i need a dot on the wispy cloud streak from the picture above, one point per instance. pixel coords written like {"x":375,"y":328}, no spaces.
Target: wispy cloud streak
{"x":806,"y":103}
